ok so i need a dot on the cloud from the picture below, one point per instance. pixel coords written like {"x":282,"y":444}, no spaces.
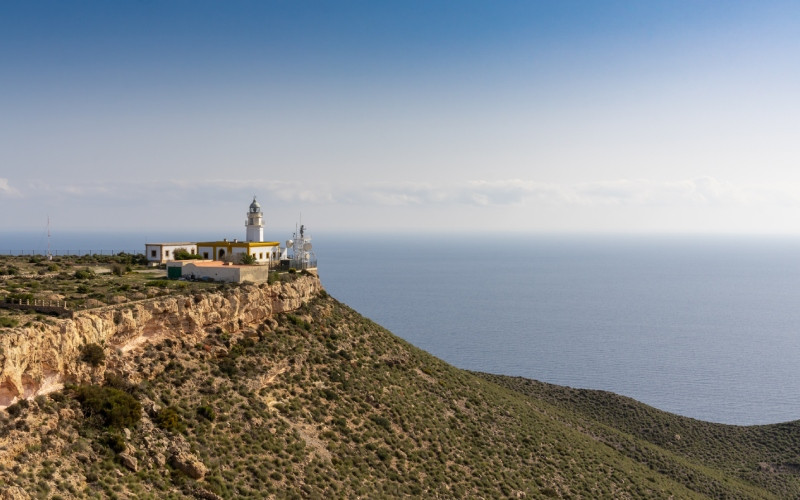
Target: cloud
{"x":701,"y":191}
{"x":6,"y":190}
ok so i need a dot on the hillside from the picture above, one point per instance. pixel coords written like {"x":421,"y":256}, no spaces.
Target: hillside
{"x":321,"y":402}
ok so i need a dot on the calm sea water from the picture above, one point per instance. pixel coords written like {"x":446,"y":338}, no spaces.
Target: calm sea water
{"x":703,"y":327}
{"x":706,"y":328}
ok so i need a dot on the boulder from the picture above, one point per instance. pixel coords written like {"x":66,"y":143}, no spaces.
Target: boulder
{"x":129,"y":461}
{"x":159,"y":459}
{"x":119,"y":299}
{"x":188,"y":464}
{"x":205,"y":494}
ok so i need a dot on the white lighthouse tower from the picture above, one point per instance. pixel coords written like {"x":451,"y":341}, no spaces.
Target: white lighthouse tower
{"x":255,"y":222}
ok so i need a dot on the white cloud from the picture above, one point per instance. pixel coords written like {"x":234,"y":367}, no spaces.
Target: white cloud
{"x":6,"y":190}
{"x":702,"y":191}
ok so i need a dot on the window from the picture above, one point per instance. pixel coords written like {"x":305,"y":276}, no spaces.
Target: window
{"x":152,"y":253}
{"x":205,"y":255}
{"x":260,"y":256}
{"x":166,"y":253}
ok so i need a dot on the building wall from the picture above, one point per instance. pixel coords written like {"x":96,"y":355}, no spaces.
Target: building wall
{"x":206,"y":251}
{"x":222,"y":272}
{"x":264,"y":252}
{"x":165,"y":252}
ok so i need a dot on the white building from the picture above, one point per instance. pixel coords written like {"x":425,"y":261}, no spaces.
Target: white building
{"x":264,"y":252}
{"x":160,"y":253}
{"x":267,"y":253}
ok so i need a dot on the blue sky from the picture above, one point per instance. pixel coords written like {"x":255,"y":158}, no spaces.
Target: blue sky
{"x":529,"y":116}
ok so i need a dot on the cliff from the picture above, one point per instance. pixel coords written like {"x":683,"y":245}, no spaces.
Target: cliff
{"x":216,"y":396}
{"x":41,"y":357}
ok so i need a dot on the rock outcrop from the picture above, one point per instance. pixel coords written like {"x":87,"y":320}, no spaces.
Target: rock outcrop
{"x":40,"y":358}
{"x":188,"y":464}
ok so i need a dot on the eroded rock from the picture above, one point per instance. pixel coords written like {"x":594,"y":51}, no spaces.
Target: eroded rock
{"x":38,"y":359}
{"x":129,"y":461}
{"x":188,"y":464}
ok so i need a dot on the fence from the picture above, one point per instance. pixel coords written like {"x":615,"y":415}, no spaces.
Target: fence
{"x":68,"y":252}
{"x":59,"y":307}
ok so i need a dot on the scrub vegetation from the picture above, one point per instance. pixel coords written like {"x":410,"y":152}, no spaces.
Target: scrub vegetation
{"x":323,"y":403}
{"x":87,"y":281}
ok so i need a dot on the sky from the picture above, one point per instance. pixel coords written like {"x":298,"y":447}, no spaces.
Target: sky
{"x":401,"y":116}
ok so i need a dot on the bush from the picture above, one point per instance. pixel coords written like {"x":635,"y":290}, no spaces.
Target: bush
{"x":383,"y":453}
{"x":14,"y":410}
{"x":228,"y":366}
{"x":183,"y":254}
{"x":118,"y":382}
{"x":17,"y":296}
{"x":84,"y":274}
{"x":93,"y":354}
{"x":8,"y":322}
{"x":115,"y":441}
{"x":207,"y":413}
{"x":382,"y":421}
{"x":247,"y":259}
{"x":170,"y":420}
{"x":109,"y":406}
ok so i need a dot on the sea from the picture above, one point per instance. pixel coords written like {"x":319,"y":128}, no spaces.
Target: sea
{"x":706,"y":327}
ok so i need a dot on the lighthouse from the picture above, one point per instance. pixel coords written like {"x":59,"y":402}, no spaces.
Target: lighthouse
{"x":255,"y":222}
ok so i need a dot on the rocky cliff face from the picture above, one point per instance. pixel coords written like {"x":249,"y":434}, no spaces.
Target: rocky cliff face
{"x":40,"y":358}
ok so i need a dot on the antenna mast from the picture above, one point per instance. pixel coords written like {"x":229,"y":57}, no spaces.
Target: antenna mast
{"x":49,"y":255}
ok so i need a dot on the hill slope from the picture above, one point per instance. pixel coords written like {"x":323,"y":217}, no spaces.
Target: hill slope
{"x":325,"y":403}
{"x":764,"y":454}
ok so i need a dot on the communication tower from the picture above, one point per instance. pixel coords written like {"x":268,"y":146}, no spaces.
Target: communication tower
{"x":302,"y":256}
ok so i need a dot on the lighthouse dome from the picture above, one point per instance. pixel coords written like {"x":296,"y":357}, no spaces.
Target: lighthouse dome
{"x":255,"y":207}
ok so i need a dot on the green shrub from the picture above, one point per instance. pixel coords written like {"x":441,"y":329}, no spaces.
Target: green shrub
{"x":383,"y":453}
{"x":207,"y":413}
{"x":119,"y":382}
{"x":170,"y":420}
{"x":17,"y":296}
{"x":228,"y":366}
{"x":93,"y":354}
{"x":8,"y":322}
{"x":183,"y":254}
{"x":84,"y":274}
{"x":115,"y":441}
{"x":110,"y":407}
{"x":14,"y":410}
{"x":247,"y":259}
{"x":382,"y":421}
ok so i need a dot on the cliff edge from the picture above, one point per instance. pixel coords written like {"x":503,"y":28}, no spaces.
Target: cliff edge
{"x":40,"y":358}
